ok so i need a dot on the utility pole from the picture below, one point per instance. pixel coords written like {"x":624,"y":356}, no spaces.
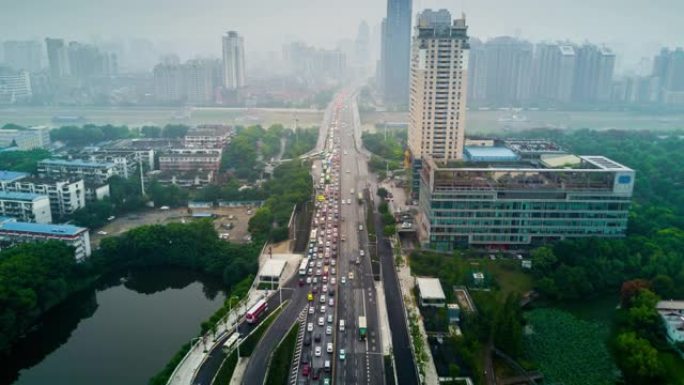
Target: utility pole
{"x":142,"y":180}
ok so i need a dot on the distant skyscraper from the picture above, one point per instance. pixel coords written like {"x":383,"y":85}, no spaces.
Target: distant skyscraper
{"x":593,"y":74}
{"x":439,"y":74}
{"x":554,"y":70}
{"x":397,"y":46}
{"x":233,"y":61}
{"x":361,"y":46}
{"x":58,"y":57}
{"x":199,"y":81}
{"x":509,"y":70}
{"x":24,"y":55}
{"x":477,"y":71}
{"x":169,"y":83}
{"x":15,"y":86}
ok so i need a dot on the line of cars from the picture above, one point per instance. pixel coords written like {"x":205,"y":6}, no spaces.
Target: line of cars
{"x":320,"y":269}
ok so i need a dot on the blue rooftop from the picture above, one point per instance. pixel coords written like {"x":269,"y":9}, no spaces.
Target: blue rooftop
{"x":20,"y":196}
{"x":489,"y":154}
{"x":75,"y":162}
{"x":11,"y":176}
{"x":39,"y":228}
{"x":7,"y":219}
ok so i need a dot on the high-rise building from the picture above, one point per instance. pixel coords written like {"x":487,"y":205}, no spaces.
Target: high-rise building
{"x":668,"y":68}
{"x":439,"y":74}
{"x":233,"y":61}
{"x":397,"y":47}
{"x":58,"y":58}
{"x":593,"y":74}
{"x":169,"y":84}
{"x":361,"y":46}
{"x":477,"y":71}
{"x":509,"y":70}
{"x":199,"y":80}
{"x":15,"y":86}
{"x":554,"y":70}
{"x":23,"y":55}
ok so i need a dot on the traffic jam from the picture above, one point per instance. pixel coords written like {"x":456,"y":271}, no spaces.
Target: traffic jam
{"x":318,"y":270}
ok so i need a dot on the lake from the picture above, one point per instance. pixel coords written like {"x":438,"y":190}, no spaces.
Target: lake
{"x":120,"y":333}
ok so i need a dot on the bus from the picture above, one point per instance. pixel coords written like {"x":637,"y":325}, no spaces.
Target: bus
{"x":362,"y":328}
{"x":314,"y":234}
{"x":256,"y":311}
{"x":360,"y":198}
{"x":303,"y":266}
{"x":230,"y":342}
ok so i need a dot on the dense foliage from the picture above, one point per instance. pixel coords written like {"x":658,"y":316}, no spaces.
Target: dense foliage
{"x":91,"y":133}
{"x":33,"y":278}
{"x":300,"y":142}
{"x":24,"y":161}
{"x":568,"y":350}
{"x":281,"y":360}
{"x":241,"y":156}
{"x":194,"y":246}
{"x":291,"y":185}
{"x":390,"y":147}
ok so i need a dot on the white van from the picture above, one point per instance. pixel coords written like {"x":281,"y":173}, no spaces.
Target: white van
{"x":341,"y":325}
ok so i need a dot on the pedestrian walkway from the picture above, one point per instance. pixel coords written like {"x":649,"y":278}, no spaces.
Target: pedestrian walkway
{"x":407,"y":283}
{"x":239,"y":371}
{"x":187,"y":369}
{"x":385,"y":332}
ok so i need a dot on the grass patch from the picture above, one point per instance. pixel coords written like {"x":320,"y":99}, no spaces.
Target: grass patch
{"x":674,"y":367}
{"x":279,"y":370}
{"x":225,"y":372}
{"x":569,"y":350}
{"x":248,"y":345}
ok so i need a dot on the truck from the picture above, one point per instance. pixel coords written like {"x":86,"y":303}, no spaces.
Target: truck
{"x":362,"y":328}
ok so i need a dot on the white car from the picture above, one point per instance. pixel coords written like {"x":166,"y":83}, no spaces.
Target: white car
{"x":317,"y":351}
{"x":309,"y":327}
{"x":102,"y":232}
{"x":343,"y":280}
{"x":308,"y":280}
{"x":331,"y":302}
{"x":323,"y":309}
{"x":311,"y":309}
{"x":362,"y":253}
{"x":323,"y":298}
{"x":329,"y":348}
{"x":321,"y":321}
{"x":328,"y":330}
{"x":333,"y":280}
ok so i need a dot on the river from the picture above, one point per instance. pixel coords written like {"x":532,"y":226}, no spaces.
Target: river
{"x":120,"y":333}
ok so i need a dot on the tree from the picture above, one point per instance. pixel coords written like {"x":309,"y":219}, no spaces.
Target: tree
{"x":151,"y":131}
{"x":631,"y":289}
{"x":663,"y":285}
{"x":389,"y":230}
{"x":175,"y":131}
{"x":382,"y":192}
{"x":507,"y":326}
{"x":639,"y":360}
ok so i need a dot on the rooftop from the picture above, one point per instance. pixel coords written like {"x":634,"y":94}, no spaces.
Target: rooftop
{"x":43,"y":229}
{"x":21,"y":196}
{"x":11,"y":176}
{"x":670,"y":305}
{"x":489,"y":154}
{"x":272,"y":268}
{"x":430,"y":288}
{"x":75,"y":163}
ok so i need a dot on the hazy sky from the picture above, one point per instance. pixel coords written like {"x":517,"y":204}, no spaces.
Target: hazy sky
{"x":634,"y":28}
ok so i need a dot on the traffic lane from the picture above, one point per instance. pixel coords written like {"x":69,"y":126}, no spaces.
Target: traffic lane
{"x":403,"y":357}
{"x":254,"y":373}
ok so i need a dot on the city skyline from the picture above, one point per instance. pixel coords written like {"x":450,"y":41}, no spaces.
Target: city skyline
{"x":608,"y":22}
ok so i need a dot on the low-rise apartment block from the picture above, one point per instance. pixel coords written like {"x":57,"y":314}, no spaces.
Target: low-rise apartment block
{"x":25,"y":207}
{"x":13,"y":232}
{"x":191,"y":159}
{"x":93,"y":172}
{"x":65,"y":195}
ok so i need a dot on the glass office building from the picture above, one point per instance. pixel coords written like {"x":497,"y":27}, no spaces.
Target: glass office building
{"x":521,"y":196}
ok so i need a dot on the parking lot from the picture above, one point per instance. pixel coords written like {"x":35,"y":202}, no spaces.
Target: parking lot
{"x":230,"y":222}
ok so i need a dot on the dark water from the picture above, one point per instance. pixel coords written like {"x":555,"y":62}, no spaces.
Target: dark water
{"x":117,"y":334}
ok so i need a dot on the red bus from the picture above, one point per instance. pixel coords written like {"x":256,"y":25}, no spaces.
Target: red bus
{"x":256,"y":311}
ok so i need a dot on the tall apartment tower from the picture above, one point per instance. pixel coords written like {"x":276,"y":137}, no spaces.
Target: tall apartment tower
{"x":58,"y":58}
{"x":397,"y":46}
{"x":23,"y":55}
{"x":233,"y":61}
{"x":439,"y":73}
{"x":554,"y":67}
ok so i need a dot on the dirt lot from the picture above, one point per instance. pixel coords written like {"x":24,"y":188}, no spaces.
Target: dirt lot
{"x":222,"y":221}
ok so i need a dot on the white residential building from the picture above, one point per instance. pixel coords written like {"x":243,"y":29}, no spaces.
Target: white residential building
{"x":12,"y":232}
{"x":66,"y":196}
{"x":25,"y":207}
